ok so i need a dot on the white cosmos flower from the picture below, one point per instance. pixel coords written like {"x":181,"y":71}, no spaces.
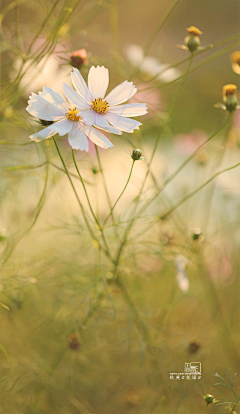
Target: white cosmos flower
{"x":50,"y":106}
{"x":101,"y":111}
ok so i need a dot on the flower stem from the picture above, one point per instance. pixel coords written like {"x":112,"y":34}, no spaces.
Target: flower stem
{"x":78,"y":199}
{"x":89,"y":204}
{"x":105,"y":221}
{"x":206,"y":409}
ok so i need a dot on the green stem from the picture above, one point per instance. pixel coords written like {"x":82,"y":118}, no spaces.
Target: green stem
{"x":198,"y":189}
{"x":89,"y":204}
{"x":197,"y":53}
{"x":187,"y":197}
{"x":105,"y":221}
{"x":205,"y":409}
{"x":104,"y":179}
{"x":214,"y":56}
{"x":172,"y":176}
{"x":78,"y":199}
{"x":146,"y":175}
{"x":152,"y":37}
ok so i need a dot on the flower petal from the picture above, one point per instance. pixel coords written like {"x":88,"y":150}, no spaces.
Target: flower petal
{"x":42,"y":109}
{"x":63,"y":127}
{"x":97,"y":137}
{"x":98,"y":79}
{"x":135,"y":109}
{"x":77,"y":138}
{"x":89,"y":117}
{"x":121,"y":93}
{"x":102,"y":123}
{"x":80,"y":86}
{"x":123,"y":124}
{"x":54,"y":98}
{"x":75,"y":98}
{"x":43,"y":134}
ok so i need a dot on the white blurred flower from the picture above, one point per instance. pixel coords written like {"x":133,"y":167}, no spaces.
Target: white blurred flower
{"x":182,"y":279}
{"x":151,"y":65}
{"x":101,"y":111}
{"x":50,"y":106}
{"x":36,"y":76}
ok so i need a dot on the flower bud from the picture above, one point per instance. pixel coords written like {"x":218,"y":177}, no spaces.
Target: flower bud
{"x":79,"y":58}
{"x":73,"y":342}
{"x":192,"y":41}
{"x":45,"y":123}
{"x":196,"y":234}
{"x":209,"y":399}
{"x":230,"y":97}
{"x":136,"y":155}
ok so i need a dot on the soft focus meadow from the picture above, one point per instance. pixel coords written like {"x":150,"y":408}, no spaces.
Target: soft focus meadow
{"x":120,"y":265}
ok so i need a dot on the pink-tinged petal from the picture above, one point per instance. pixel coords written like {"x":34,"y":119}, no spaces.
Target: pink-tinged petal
{"x":123,"y":124}
{"x":80,"y":86}
{"x":63,"y":127}
{"x":54,"y":98}
{"x":42,"y":109}
{"x":98,"y":79}
{"x":121,"y":93}
{"x":102,"y":123}
{"x":43,"y":134}
{"x":75,"y":98}
{"x":89,"y":117}
{"x":77,"y":138}
{"x":135,"y":109}
{"x":97,"y":137}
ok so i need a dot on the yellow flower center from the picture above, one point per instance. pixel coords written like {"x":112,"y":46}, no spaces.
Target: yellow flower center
{"x":194,"y":31}
{"x":229,"y":90}
{"x":72,"y":114}
{"x":100,"y":106}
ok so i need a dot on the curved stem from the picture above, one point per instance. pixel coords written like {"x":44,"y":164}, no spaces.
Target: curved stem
{"x":198,"y":189}
{"x":105,"y":221}
{"x":78,"y":199}
{"x":148,"y":170}
{"x":89,"y":204}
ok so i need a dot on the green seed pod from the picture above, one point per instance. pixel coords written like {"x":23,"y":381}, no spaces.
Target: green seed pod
{"x":192,"y":42}
{"x":136,"y":154}
{"x":209,"y":399}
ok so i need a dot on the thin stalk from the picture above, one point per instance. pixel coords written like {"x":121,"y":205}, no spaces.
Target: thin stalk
{"x":197,"y":53}
{"x":152,"y":37}
{"x":105,"y":221}
{"x":188,"y":197}
{"x":145,"y":178}
{"x":89,"y":203}
{"x":172,"y":176}
{"x":78,"y":200}
{"x":199,"y":189}
{"x":214,"y":56}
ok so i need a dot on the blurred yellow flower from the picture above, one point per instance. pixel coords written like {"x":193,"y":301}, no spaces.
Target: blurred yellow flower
{"x":235,"y":59}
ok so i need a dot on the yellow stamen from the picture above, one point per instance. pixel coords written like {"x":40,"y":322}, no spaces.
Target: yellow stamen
{"x":229,"y":90}
{"x":100,"y":106}
{"x":194,"y":31}
{"x":72,"y":114}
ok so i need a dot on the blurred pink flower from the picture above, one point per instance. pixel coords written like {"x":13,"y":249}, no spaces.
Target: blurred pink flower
{"x":187,"y":143}
{"x":151,"y":97}
{"x":221,"y":268}
{"x":79,"y":58}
